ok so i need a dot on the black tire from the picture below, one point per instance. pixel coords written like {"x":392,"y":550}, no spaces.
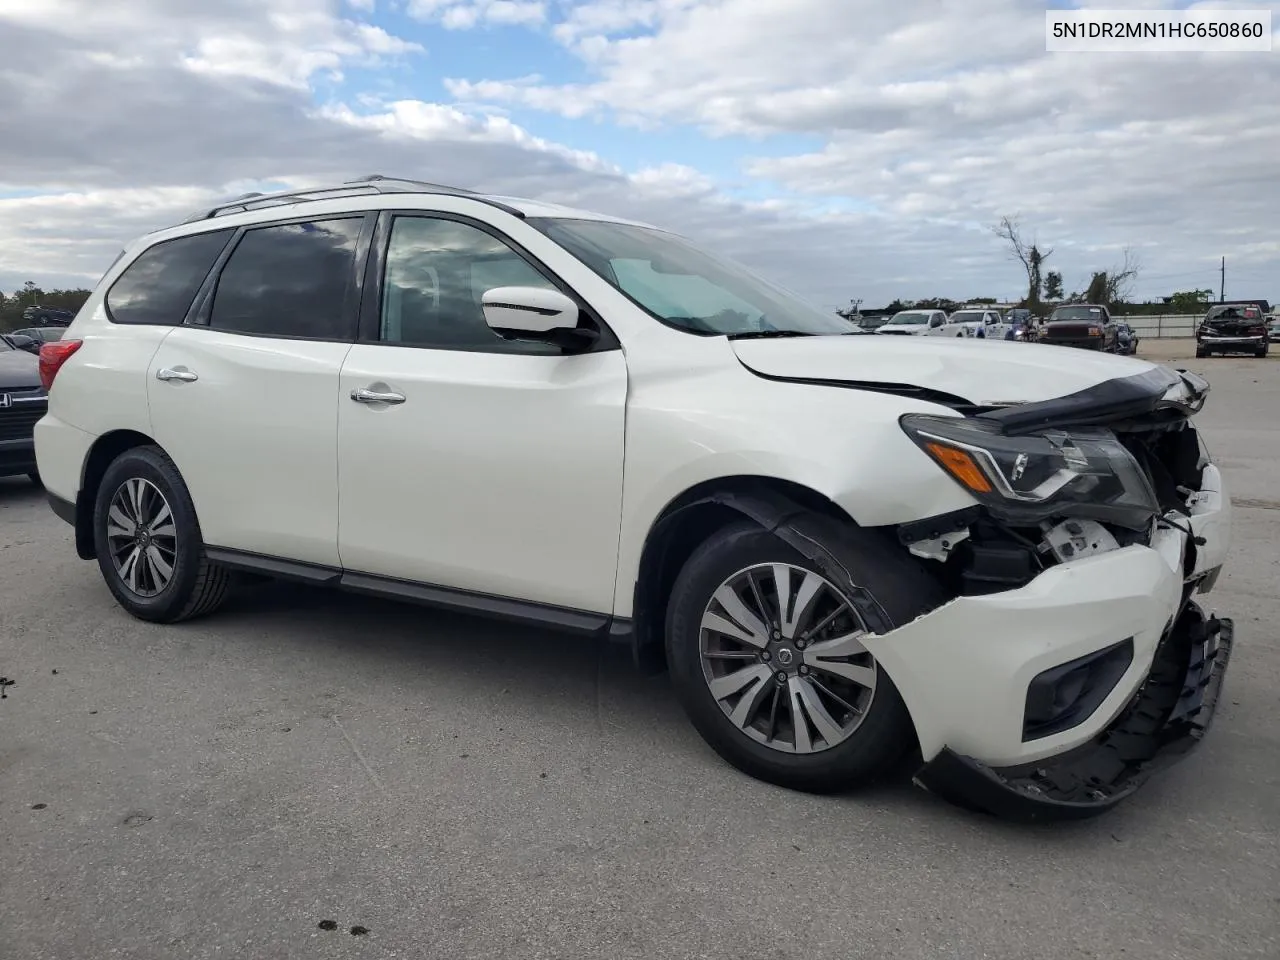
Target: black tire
{"x":1262,"y":353}
{"x":34,"y":477}
{"x":891,"y":589}
{"x":197,"y":586}
{"x":1201,"y":352}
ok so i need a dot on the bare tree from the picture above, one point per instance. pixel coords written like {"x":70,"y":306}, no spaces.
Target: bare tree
{"x":1028,"y":253}
{"x":1120,"y":279}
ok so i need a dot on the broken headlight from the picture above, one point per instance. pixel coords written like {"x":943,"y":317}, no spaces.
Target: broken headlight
{"x":1081,"y":472}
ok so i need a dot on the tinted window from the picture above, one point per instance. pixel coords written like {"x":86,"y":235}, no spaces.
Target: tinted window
{"x":159,"y":286}
{"x":436,"y":274}
{"x":290,"y":280}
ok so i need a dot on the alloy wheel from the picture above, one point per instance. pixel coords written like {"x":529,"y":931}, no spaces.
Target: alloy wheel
{"x":141,"y":537}
{"x":782,"y":655}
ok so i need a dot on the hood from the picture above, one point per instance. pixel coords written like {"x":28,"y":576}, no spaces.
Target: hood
{"x":979,"y":372}
{"x":915,"y":329}
{"x":19,"y":370}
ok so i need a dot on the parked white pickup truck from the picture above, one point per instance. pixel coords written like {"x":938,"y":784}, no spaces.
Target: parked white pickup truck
{"x":974,"y":323}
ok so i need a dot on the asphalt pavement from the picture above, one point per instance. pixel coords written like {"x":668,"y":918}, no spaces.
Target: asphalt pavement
{"x":312,"y":775}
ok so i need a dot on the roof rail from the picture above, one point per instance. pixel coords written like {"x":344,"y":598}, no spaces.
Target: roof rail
{"x":372,"y":185}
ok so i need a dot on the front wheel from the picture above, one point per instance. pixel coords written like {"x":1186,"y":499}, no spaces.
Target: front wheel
{"x":148,"y":541}
{"x":766,"y":657}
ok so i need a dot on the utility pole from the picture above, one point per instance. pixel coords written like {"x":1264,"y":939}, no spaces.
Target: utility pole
{"x":1222,"y":290}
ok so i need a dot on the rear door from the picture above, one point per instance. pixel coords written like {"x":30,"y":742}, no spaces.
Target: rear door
{"x":244,"y":396}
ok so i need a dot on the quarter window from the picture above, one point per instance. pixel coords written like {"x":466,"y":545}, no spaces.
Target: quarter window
{"x":437,"y":272}
{"x":290,"y":280}
{"x":158,"y":287}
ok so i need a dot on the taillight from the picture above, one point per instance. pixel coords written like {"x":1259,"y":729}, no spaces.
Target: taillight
{"x":52,"y":356}
{"x":1257,"y":331}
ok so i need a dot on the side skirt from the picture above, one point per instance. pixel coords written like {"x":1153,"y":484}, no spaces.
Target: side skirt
{"x":617,"y":629}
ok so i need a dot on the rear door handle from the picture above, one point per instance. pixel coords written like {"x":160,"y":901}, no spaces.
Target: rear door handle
{"x":170,"y":373}
{"x":365,"y":395}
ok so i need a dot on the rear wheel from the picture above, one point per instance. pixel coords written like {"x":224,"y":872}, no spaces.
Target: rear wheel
{"x":1262,"y":351}
{"x":34,"y":477}
{"x":1201,"y":352}
{"x":148,"y":541}
{"x":766,"y":655}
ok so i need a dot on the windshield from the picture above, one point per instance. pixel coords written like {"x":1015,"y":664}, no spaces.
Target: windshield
{"x":684,"y":286}
{"x":1077,"y":313}
{"x":910,"y":318}
{"x":4,"y":344}
{"x":966,"y":316}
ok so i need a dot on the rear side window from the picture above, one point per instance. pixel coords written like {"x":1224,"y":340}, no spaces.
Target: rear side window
{"x":159,"y":286}
{"x":290,"y":280}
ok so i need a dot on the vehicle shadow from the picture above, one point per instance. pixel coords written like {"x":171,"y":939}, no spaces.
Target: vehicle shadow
{"x":636,"y":717}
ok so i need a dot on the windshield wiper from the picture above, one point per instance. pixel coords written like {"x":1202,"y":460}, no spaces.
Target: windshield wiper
{"x":765,"y":334}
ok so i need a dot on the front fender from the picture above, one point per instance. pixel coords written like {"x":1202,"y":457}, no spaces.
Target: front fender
{"x":843,"y":444}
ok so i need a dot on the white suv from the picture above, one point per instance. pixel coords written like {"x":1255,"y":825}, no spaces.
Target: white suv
{"x":844,"y":548}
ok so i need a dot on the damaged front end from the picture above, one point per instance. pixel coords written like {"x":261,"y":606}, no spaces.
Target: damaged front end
{"x":1168,"y":717}
{"x":1116,"y":468}
{"x":1068,"y":478}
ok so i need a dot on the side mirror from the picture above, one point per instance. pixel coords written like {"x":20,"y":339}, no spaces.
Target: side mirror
{"x":535,"y":313}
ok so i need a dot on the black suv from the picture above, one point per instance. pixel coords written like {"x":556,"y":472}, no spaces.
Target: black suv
{"x":22,"y":402}
{"x":47,"y":316}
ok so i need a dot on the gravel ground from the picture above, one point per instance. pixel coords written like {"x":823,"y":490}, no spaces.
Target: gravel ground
{"x":432,"y":786}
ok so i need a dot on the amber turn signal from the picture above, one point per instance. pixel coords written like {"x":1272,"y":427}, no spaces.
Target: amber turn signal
{"x":960,"y":465}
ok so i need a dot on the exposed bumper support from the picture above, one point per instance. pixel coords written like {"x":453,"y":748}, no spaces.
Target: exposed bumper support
{"x":1169,"y":716}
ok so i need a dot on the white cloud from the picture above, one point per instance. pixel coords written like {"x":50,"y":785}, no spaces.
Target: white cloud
{"x":466,"y":14}
{"x":946,"y":110}
{"x":920,"y":125}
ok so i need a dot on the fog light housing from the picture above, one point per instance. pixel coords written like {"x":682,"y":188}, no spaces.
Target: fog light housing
{"x":1066,"y":696}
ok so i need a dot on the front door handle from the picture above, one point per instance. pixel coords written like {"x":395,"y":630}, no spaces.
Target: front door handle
{"x":364,"y":395}
{"x":170,"y":373}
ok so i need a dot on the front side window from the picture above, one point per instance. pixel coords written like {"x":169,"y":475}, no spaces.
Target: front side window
{"x":158,"y":287}
{"x":290,"y":280}
{"x":437,"y":272}
{"x":685,"y":287}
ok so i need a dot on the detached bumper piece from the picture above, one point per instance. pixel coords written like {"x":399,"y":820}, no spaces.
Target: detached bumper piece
{"x":1168,"y":717}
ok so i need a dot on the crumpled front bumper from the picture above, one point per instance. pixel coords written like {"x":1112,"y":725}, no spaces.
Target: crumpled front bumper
{"x":967,"y":671}
{"x":1168,"y":717}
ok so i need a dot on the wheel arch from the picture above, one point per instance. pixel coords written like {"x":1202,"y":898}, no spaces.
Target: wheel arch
{"x":100,"y":456}
{"x":783,"y":507}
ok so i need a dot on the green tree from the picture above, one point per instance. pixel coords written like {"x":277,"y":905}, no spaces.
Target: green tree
{"x":1190,"y":301}
{"x":1099,"y":284}
{"x":1053,"y":285}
